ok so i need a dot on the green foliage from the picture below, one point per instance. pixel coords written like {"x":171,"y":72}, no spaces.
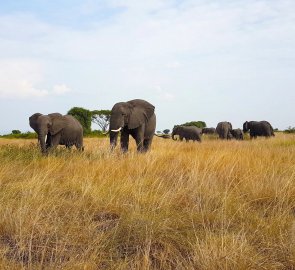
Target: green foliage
{"x":83,"y":116}
{"x":166,"y":131}
{"x":16,"y":131}
{"x":27,"y":135}
{"x":290,"y":130}
{"x":199,"y":124}
{"x":101,"y":118}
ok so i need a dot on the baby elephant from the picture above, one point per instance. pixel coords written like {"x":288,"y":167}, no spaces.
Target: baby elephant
{"x":237,"y":134}
{"x":187,"y":132}
{"x":208,"y":130}
{"x":55,"y":129}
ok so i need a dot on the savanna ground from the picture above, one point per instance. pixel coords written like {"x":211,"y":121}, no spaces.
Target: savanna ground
{"x":214,"y":205}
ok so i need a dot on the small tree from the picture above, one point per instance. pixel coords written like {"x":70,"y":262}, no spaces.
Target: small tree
{"x":199,"y":124}
{"x":16,"y":131}
{"x":166,"y":131}
{"x":83,"y":116}
{"x":101,"y":118}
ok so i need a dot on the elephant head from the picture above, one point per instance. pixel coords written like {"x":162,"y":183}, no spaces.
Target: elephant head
{"x":45,"y":125}
{"x":245,"y":126}
{"x":175,"y":131}
{"x":131,"y":115}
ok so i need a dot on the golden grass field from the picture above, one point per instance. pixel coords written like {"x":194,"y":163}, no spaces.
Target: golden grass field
{"x":214,"y":205}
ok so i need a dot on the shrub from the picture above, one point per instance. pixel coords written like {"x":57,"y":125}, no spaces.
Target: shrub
{"x":199,"y":124}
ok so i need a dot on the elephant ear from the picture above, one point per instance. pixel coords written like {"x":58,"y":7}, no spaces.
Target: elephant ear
{"x":57,"y":123}
{"x":141,"y":112}
{"x":33,"y":121}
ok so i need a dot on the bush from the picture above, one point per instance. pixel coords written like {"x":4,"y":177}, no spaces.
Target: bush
{"x":199,"y":124}
{"x":16,"y":131}
{"x":290,"y":130}
{"x":27,"y":135}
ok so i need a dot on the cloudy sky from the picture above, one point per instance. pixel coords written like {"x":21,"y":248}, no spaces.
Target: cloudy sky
{"x":210,"y":60}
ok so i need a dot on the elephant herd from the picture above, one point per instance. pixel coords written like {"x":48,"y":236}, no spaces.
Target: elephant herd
{"x":136,"y":118}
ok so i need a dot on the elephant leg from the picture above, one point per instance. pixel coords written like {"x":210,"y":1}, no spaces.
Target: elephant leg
{"x":55,"y":140}
{"x":180,"y":138}
{"x":79,"y":146}
{"x":138,"y":135}
{"x":124,"y":141}
{"x":146,"y":144}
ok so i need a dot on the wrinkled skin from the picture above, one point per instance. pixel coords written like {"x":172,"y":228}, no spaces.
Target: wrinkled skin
{"x":237,"y":134}
{"x":208,"y":130}
{"x":187,"y":133}
{"x":262,"y":128}
{"x":58,"y":129}
{"x":136,"y":118}
{"x":223,"y":130}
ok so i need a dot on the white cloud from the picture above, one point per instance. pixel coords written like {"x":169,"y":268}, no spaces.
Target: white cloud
{"x":20,"y":79}
{"x":173,"y":65}
{"x":164,"y":95}
{"x":60,"y":89}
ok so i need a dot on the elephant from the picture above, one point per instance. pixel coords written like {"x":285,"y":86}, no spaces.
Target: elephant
{"x":208,"y":130}
{"x":262,"y":128}
{"x":237,"y":134}
{"x":187,"y":132}
{"x":136,"y":118}
{"x":223,"y":130}
{"x":55,"y":129}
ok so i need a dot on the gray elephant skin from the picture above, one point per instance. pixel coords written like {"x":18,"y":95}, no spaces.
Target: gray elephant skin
{"x":211,"y":130}
{"x":187,"y":133}
{"x":258,"y":128}
{"x":55,"y":129}
{"x":136,"y":118}
{"x":237,"y":134}
{"x":223,"y":130}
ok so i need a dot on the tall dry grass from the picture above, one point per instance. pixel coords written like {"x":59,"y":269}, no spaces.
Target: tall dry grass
{"x":214,"y":205}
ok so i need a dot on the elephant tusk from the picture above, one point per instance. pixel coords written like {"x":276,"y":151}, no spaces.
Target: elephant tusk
{"x":45,"y":138}
{"x":116,"y":130}
{"x":106,"y":133}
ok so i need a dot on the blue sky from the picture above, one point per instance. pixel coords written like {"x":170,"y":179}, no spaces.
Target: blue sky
{"x":194,"y":60}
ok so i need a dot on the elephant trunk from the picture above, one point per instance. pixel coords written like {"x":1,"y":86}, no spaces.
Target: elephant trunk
{"x":113,"y":139}
{"x":173,"y":138}
{"x":41,"y":138}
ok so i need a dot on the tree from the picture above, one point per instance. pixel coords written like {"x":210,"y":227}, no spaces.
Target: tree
{"x":199,"y":124}
{"x":166,"y":131}
{"x":83,"y":116}
{"x":101,"y":118}
{"x":16,"y":131}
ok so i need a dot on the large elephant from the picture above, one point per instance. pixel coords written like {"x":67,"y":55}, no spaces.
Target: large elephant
{"x":136,"y":118}
{"x":211,"y":130}
{"x":262,"y":128}
{"x":223,"y":130}
{"x":237,"y":134}
{"x":55,"y":129}
{"x":187,"y":133}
